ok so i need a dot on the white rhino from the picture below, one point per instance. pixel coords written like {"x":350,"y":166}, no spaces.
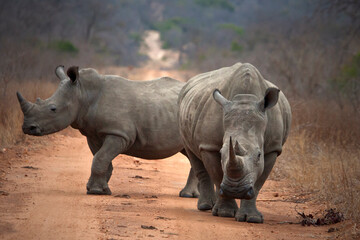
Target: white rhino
{"x":117,"y":116}
{"x":233,"y":124}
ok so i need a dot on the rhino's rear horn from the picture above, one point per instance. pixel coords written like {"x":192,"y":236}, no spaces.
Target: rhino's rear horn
{"x":73,"y":73}
{"x":239,"y":150}
{"x":24,"y":104}
{"x":60,"y":73}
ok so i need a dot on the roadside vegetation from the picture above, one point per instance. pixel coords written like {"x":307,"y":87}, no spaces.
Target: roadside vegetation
{"x":310,"y":50}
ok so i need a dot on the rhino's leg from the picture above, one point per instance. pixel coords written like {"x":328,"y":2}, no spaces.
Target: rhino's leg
{"x":248,"y":211}
{"x":191,"y":188}
{"x":94,"y":147}
{"x":206,"y":187}
{"x":101,"y":168}
{"x":224,"y":207}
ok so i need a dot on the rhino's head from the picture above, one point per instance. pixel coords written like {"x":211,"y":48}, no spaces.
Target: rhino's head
{"x":55,"y":113}
{"x":242,"y":153}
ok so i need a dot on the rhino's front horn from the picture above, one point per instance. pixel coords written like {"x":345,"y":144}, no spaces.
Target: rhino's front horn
{"x":60,"y":73}
{"x":24,"y":104}
{"x":233,"y":164}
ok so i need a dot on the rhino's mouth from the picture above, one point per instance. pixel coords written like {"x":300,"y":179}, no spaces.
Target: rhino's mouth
{"x":236,"y":189}
{"x":32,"y":129}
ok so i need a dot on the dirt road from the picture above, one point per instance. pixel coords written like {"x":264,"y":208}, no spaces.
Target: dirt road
{"x":43,"y":196}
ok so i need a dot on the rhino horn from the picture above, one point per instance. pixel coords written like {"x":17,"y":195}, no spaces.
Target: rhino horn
{"x":220,"y":99}
{"x":233,"y":163}
{"x":60,"y":73}
{"x":239,"y":150}
{"x":24,"y":104}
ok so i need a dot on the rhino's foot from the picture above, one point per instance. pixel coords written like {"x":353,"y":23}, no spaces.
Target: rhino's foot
{"x":225,"y":208}
{"x":98,"y":185}
{"x":251,"y":215}
{"x":189,"y":193}
{"x":205,"y":202}
{"x":99,"y":191}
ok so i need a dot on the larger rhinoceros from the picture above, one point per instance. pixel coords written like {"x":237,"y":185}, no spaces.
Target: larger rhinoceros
{"x":117,"y":116}
{"x":233,"y":124}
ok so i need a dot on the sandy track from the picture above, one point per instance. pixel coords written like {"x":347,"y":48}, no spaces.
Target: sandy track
{"x":49,"y":202}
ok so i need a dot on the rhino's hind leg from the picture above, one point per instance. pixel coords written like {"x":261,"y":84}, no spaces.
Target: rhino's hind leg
{"x":206,"y":187}
{"x":191,"y":188}
{"x":101,"y":168}
{"x":248,"y":211}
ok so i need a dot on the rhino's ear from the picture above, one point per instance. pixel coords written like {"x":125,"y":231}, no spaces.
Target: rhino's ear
{"x":220,"y":99}
{"x":270,"y":99}
{"x":73,"y":73}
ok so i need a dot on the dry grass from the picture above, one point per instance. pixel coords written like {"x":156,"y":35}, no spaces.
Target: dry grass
{"x":322,"y":155}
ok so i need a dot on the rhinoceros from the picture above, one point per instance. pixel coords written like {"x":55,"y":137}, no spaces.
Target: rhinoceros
{"x":117,"y":116}
{"x":233,"y":124}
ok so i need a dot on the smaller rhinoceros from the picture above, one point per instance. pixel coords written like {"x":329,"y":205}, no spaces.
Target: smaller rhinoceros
{"x":233,"y":124}
{"x":117,"y":116}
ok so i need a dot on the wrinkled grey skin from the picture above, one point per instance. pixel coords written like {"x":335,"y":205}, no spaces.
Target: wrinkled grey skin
{"x":117,"y":116}
{"x":233,"y":124}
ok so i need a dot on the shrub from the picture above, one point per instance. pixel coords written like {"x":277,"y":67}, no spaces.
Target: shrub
{"x":64,"y":46}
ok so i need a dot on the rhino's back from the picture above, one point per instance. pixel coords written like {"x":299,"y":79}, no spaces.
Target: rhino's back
{"x":142,"y":112}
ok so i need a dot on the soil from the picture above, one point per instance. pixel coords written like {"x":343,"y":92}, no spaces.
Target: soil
{"x":43,"y":196}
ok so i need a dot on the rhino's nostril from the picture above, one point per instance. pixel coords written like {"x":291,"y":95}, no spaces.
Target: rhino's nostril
{"x":32,"y":128}
{"x":250,"y":193}
{"x":221,"y":192}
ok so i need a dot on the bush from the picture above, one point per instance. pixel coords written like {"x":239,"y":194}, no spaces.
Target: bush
{"x":169,"y":24}
{"x":347,"y":83}
{"x":224,"y":4}
{"x":236,"y":29}
{"x":236,"y":47}
{"x":64,"y":46}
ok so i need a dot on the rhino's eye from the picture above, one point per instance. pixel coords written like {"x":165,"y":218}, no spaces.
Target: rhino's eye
{"x":53,"y":108}
{"x":259,"y":155}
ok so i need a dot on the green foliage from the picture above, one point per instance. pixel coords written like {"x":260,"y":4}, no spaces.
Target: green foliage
{"x":233,"y":27}
{"x":166,"y":45}
{"x":172,"y":23}
{"x":136,"y":37}
{"x":64,"y":46}
{"x":224,"y":4}
{"x":236,"y":47}
{"x":350,"y":73}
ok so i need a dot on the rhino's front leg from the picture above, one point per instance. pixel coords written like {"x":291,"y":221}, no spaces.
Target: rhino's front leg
{"x":224,"y":207}
{"x":101,"y":168}
{"x":94,"y":147}
{"x":248,"y":211}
